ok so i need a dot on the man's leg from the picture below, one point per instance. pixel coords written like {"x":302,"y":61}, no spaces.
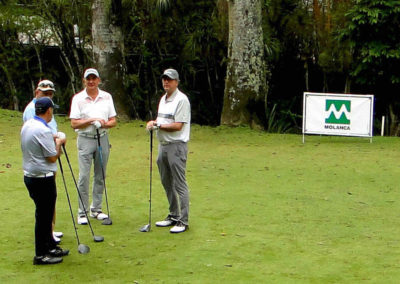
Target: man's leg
{"x":177,"y":157}
{"x":166,"y":180}
{"x":98,"y":182}
{"x":43,"y":192}
{"x":85,"y":156}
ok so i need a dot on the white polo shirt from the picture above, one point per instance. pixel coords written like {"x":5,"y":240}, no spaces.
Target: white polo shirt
{"x":84,"y":107}
{"x":174,"y":109}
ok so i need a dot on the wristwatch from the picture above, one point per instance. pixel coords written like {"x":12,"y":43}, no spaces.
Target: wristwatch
{"x":158,"y":125}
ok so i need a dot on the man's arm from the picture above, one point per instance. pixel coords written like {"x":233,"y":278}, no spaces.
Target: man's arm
{"x":59,"y":142}
{"x":82,"y":123}
{"x":169,"y":127}
{"x":112,"y":121}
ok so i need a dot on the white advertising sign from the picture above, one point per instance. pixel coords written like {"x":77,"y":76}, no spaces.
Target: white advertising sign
{"x":338,"y":114}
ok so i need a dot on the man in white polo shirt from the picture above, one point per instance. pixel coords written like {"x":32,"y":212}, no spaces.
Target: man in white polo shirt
{"x":173,"y":132}
{"x":92,"y":109}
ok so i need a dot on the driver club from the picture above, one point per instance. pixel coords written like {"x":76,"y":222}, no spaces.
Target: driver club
{"x":82,"y":248}
{"x":146,"y":228}
{"x":107,"y":221}
{"x":95,"y":238}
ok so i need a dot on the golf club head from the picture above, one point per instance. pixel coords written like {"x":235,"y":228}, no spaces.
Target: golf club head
{"x":83,"y":249}
{"x":98,"y":239}
{"x":107,"y":221}
{"x":145,"y":228}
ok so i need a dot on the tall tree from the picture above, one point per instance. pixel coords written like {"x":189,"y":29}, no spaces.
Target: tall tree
{"x":108,"y":49}
{"x":245,"y":86}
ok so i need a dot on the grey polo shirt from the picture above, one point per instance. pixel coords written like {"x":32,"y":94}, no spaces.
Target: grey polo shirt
{"x":174,"y":109}
{"x":37,"y":143}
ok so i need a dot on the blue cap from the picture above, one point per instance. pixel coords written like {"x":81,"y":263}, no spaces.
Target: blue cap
{"x":44,"y":103}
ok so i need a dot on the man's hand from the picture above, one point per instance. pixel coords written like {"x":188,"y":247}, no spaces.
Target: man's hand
{"x":60,"y":141}
{"x":61,"y":135}
{"x":152,"y":125}
{"x":97,"y":124}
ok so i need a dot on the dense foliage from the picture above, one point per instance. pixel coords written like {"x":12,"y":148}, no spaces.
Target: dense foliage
{"x":310,"y":45}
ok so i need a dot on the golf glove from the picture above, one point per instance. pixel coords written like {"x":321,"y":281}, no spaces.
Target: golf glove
{"x":96,"y":124}
{"x":61,"y":135}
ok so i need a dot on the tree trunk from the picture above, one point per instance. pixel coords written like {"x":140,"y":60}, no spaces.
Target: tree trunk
{"x":108,"y":51}
{"x":394,"y":128}
{"x":14,"y":102}
{"x":245,"y":85}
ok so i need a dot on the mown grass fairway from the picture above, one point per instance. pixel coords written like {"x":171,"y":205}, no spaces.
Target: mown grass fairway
{"x":264,"y":209}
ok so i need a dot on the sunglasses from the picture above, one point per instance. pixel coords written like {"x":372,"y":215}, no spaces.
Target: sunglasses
{"x":46,"y":85}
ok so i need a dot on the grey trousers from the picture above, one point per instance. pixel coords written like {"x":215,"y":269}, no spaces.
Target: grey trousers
{"x":171,"y":162}
{"x":88,"y":151}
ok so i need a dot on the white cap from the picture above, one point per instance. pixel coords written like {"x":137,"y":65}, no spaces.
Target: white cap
{"x":46,"y":85}
{"x":91,"y":71}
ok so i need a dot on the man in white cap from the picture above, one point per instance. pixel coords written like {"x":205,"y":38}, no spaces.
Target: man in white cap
{"x":45,"y":88}
{"x":173,"y":131}
{"x":92,"y":110}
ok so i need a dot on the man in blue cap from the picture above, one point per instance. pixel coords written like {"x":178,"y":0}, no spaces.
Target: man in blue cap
{"x":45,"y":88}
{"x":40,"y":153}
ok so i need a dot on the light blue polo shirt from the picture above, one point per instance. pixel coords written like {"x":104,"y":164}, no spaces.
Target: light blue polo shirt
{"x":29,"y":113}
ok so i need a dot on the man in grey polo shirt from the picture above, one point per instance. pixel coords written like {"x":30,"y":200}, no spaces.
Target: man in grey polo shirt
{"x":40,"y":153}
{"x":45,"y":88}
{"x":173,"y":132}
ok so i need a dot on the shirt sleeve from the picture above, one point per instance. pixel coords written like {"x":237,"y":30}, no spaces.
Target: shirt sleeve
{"x":46,"y":140}
{"x":29,"y":113}
{"x":53,"y":125}
{"x":74,"y":113}
{"x":111,"y":110}
{"x":182,"y":113}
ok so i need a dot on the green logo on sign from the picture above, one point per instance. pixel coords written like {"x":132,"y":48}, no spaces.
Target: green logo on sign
{"x":338,"y":111}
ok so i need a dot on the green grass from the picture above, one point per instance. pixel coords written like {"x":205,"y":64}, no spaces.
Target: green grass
{"x":264,"y":209}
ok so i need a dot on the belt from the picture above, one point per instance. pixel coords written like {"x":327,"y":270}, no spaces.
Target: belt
{"x":92,"y":136}
{"x":28,"y":174}
{"x":169,"y":142}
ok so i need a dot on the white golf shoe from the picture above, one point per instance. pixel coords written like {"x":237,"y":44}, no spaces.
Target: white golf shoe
{"x":82,"y":220}
{"x":98,"y":215}
{"x":179,"y":228}
{"x":56,"y":239}
{"x":58,"y":234}
{"x":166,"y":222}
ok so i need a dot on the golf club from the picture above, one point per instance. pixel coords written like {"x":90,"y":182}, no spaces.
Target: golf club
{"x":95,"y":238}
{"x":107,"y":221}
{"x":81,"y":247}
{"x":146,"y":228}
